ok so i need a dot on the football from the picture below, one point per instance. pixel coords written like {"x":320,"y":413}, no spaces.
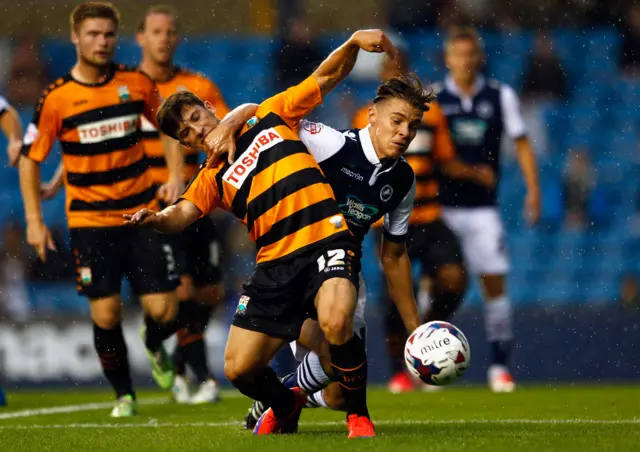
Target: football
{"x":437,"y":353}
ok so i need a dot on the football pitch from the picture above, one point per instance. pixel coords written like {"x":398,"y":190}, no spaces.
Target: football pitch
{"x":597,"y":417}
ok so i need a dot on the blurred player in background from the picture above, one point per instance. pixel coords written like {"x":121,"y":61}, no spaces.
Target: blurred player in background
{"x":196,"y":250}
{"x":12,"y":129}
{"x":431,"y":242}
{"x":479,"y":111}
{"x":94,"y":111}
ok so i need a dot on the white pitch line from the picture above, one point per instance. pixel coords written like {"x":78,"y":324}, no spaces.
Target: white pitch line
{"x":94,"y":406}
{"x":237,"y":423}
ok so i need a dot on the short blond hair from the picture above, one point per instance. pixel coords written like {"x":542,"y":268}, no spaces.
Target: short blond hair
{"x":463,"y":33}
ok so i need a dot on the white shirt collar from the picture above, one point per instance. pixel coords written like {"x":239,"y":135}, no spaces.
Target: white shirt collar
{"x":453,"y":88}
{"x":367,"y":146}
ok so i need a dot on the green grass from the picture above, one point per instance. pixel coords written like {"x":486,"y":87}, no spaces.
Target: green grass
{"x":537,"y":418}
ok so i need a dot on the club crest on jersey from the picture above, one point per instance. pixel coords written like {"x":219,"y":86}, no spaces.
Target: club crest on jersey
{"x":123,"y":93}
{"x":312,"y":127}
{"x":242,"y":304}
{"x":246,"y":163}
{"x":386,"y":193}
{"x":485,"y":109}
{"x":181,"y":88}
{"x":350,"y":134}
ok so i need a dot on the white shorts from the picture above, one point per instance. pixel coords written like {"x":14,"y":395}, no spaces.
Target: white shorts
{"x":482,"y":238}
{"x":359,"y":325}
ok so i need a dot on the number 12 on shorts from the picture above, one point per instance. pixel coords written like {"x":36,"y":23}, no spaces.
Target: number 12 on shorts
{"x":332,"y":258}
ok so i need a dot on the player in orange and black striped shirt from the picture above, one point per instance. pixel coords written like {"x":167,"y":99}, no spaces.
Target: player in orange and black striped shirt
{"x":196,"y":249}
{"x":431,"y":242}
{"x":307,"y":262}
{"x":94,"y":112}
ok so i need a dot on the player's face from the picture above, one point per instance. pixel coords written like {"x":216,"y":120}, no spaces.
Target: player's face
{"x":95,"y":41}
{"x":463,"y":59}
{"x":197,"y":123}
{"x":159,"y":38}
{"x":394,"y":123}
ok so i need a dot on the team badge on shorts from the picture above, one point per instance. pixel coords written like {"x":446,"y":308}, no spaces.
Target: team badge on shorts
{"x":85,"y":275}
{"x":242,"y":305}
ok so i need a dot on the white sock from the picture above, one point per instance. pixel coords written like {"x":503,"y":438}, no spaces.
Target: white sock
{"x":310,"y":375}
{"x":497,"y":319}
{"x":316,"y":400}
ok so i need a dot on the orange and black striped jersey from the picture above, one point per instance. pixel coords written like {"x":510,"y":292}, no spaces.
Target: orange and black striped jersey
{"x":431,"y":147}
{"x":275,"y":186}
{"x":182,"y":80}
{"x":106,"y":172}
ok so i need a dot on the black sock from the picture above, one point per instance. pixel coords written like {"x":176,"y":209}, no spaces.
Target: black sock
{"x":179,"y":361}
{"x":112,"y":351}
{"x":159,"y":332}
{"x":264,"y":386}
{"x":500,"y":351}
{"x":349,"y":362}
{"x":444,"y":304}
{"x":191,"y":349}
{"x":396,"y":338}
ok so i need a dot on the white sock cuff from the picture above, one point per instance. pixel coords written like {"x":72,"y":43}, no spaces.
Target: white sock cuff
{"x":497,"y":316}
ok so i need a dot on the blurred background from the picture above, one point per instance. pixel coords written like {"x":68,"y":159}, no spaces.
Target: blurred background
{"x":576,"y":65}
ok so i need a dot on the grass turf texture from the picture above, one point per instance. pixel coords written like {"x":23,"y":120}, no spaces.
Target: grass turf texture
{"x":564,"y":418}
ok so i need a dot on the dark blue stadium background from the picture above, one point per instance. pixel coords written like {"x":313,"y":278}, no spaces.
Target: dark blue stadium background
{"x":565,"y":284}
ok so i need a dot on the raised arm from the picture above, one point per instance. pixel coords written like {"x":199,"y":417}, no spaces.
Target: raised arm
{"x":337,"y":66}
{"x":222,"y":139}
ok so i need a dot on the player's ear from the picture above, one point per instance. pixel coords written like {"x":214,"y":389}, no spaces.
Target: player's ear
{"x":209,"y":106}
{"x":140,"y":38}
{"x":373,"y":114}
{"x":74,"y":37}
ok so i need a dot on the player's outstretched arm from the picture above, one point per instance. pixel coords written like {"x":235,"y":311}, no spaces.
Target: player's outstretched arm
{"x":457,"y":169}
{"x":396,"y":266}
{"x":337,"y":66}
{"x":175,"y":218}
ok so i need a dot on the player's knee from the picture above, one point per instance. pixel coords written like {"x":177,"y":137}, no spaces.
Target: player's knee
{"x":452,"y":278}
{"x":337,"y":328}
{"x":106,"y":319}
{"x":163,"y":311}
{"x":235,"y":367}
{"x":185,"y":289}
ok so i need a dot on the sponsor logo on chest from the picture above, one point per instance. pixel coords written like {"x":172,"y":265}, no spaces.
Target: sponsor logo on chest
{"x":241,"y":168}
{"x":108,"y":129}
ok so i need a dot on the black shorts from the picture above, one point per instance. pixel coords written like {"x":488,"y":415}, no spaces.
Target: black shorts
{"x":434,"y":245}
{"x":278,"y":298}
{"x":197,"y":252}
{"x":104,"y":255}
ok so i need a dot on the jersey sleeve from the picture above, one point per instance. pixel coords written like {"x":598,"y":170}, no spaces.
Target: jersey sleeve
{"x":322,"y":141}
{"x":396,"y":223}
{"x":293,"y":104}
{"x":513,"y":120}
{"x":211,"y":93}
{"x":42,"y":131}
{"x":4,"y":105}
{"x":203,"y":191}
{"x":443,"y":149}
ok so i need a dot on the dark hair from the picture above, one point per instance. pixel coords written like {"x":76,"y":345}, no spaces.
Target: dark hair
{"x":167,"y":10}
{"x":169,"y":114}
{"x":463,"y":33}
{"x":93,"y":10}
{"x":406,"y":87}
